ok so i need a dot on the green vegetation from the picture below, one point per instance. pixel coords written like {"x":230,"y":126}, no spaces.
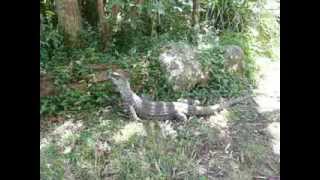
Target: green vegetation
{"x":136,"y":38}
{"x":137,"y":51}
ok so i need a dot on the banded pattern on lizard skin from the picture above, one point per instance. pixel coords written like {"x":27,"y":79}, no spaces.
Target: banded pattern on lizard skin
{"x":160,"y":110}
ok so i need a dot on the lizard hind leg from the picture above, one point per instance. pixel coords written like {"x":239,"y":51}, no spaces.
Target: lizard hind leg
{"x":181,"y":117}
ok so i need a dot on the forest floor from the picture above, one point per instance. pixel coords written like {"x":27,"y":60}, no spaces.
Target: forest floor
{"x":239,"y":143}
{"x":242,"y":142}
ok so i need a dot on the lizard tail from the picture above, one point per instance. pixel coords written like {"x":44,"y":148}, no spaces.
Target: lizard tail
{"x":209,"y":110}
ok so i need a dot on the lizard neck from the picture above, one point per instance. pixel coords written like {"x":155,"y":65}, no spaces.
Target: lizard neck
{"x":128,"y":95}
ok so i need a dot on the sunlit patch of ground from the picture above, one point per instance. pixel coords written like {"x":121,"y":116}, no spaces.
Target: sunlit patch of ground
{"x":274,"y":130}
{"x":167,"y":130}
{"x":129,"y":130}
{"x":268,"y":98}
{"x":220,"y":121}
{"x":266,"y":103}
{"x":64,"y":135}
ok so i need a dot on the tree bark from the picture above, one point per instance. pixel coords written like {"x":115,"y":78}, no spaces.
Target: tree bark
{"x":69,"y":20}
{"x":41,"y":26}
{"x":134,"y":10}
{"x":195,"y":21}
{"x":115,"y":10}
{"x":104,"y":26}
{"x":89,"y":11}
{"x":195,"y":12}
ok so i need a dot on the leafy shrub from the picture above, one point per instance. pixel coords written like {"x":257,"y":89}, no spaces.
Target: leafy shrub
{"x":229,"y":15}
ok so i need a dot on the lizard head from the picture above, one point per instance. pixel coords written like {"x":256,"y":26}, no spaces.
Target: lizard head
{"x":119,"y":79}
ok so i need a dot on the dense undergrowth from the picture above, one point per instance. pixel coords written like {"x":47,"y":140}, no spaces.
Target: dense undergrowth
{"x":135,"y":50}
{"x":136,"y":44}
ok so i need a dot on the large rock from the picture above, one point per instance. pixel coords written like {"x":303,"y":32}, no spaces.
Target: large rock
{"x":182,"y":67}
{"x":234,"y":58}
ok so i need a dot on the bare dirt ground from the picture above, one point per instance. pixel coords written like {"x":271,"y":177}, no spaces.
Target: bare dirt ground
{"x":268,"y":98}
{"x":249,"y":133}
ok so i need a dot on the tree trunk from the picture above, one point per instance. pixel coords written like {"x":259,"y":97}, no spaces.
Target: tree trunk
{"x":195,"y":12}
{"x":195,"y":21}
{"x":41,"y":26}
{"x":115,"y":10}
{"x":134,"y":10}
{"x":89,"y":11}
{"x":69,"y":20}
{"x":104,"y":26}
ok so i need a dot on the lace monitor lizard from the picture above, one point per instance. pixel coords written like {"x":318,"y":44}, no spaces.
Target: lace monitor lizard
{"x":141,"y":107}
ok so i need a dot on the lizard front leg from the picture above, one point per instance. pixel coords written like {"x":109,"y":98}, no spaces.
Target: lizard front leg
{"x":131,"y":111}
{"x":133,"y":114}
